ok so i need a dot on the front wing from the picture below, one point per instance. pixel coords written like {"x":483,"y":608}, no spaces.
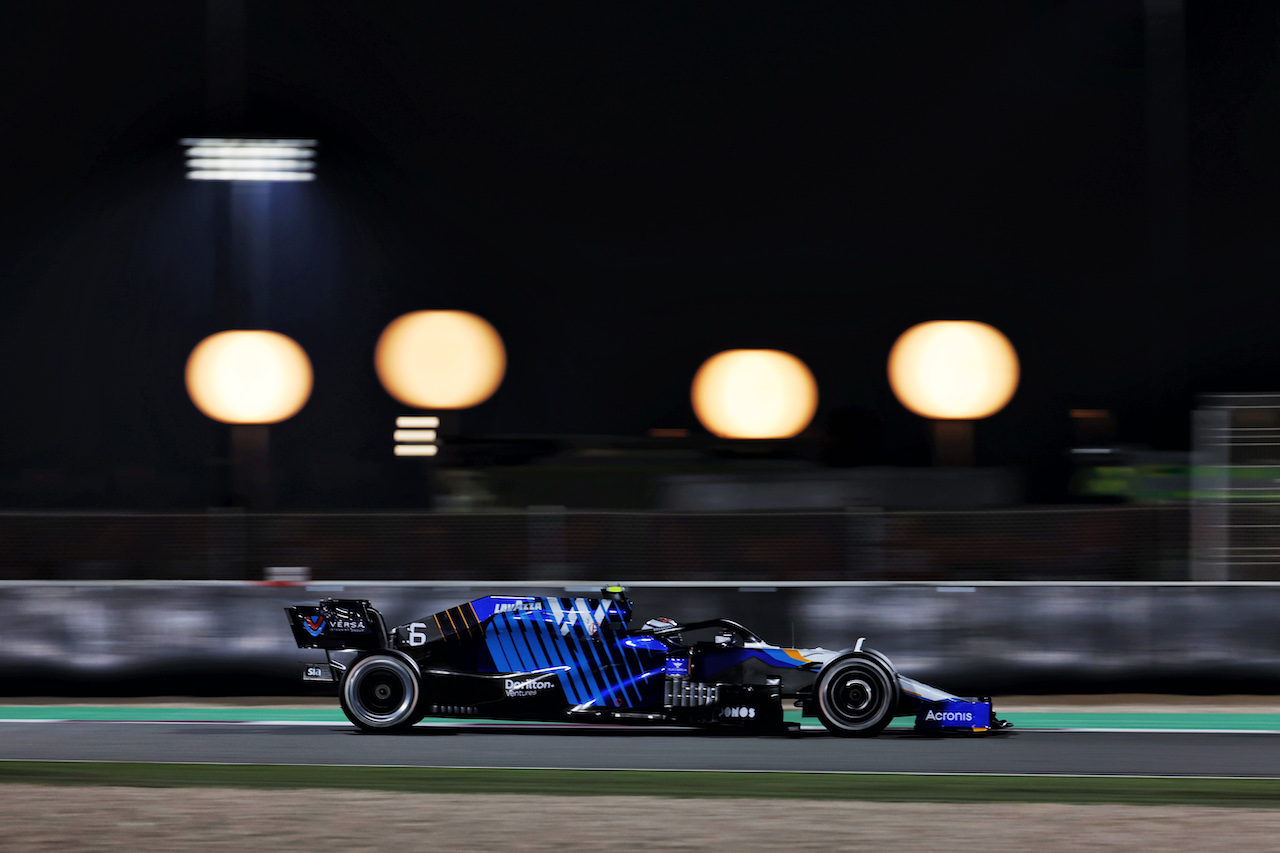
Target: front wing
{"x":939,"y":711}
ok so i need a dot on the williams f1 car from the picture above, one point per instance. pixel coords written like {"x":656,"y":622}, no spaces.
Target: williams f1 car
{"x":566,"y":659}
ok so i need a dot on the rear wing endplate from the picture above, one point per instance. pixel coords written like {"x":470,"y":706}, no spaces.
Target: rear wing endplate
{"x":337,"y":623}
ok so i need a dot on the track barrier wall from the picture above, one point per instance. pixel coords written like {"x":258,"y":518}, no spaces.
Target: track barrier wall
{"x":232,"y":638}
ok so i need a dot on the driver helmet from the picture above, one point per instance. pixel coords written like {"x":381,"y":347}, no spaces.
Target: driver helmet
{"x":661,"y":624}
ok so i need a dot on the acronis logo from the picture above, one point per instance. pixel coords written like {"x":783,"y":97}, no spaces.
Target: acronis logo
{"x":949,"y":716}
{"x":314,"y":625}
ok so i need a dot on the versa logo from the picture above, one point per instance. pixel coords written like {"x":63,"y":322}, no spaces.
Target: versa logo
{"x":313,"y":626}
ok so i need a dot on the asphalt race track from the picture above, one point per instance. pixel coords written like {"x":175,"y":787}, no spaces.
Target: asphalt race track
{"x":1018,"y":752}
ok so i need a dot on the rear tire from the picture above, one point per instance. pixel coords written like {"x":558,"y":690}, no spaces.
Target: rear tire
{"x":856,"y":696}
{"x":380,"y":693}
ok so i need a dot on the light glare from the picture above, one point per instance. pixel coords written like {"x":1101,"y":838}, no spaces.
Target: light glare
{"x":440,"y":359}
{"x":250,"y":159}
{"x":754,"y":394}
{"x":241,"y":175}
{"x":953,"y":369}
{"x":416,"y":450}
{"x":230,"y":142}
{"x":411,"y":422}
{"x":250,"y":151}
{"x":414,"y":435}
{"x":249,"y":164}
{"x":249,"y":377}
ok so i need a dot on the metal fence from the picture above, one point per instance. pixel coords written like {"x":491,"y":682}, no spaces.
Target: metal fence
{"x":1057,"y":544}
{"x":1236,"y":486}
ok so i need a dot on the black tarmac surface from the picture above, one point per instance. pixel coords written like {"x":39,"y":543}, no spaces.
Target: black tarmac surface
{"x":1036,"y":752}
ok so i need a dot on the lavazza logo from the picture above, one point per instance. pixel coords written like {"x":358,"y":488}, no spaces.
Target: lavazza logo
{"x":949,"y":716}
{"x":520,"y":689}
{"x":518,"y":605}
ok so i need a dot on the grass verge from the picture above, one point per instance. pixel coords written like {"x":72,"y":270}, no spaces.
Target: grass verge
{"x":1255,"y":793}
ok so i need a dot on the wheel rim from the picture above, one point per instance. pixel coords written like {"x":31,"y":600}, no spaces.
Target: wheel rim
{"x":856,"y":697}
{"x":853,"y":696}
{"x":381,"y":691}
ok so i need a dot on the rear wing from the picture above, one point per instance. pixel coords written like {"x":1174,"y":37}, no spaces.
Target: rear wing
{"x":337,"y":623}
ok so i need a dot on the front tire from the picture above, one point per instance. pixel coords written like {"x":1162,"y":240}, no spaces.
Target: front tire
{"x":380,"y":693}
{"x":856,"y":696}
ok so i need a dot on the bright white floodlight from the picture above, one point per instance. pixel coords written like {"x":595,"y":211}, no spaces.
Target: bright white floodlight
{"x":250,"y":159}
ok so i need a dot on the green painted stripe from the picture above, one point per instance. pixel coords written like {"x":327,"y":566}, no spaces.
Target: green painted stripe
{"x":1080,"y":720}
{"x":1256,"y":793}
{"x":1200,"y":721}
{"x":144,"y":714}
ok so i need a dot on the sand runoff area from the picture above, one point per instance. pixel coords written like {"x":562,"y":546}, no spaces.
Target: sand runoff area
{"x":179,"y":820}
{"x":45,"y":818}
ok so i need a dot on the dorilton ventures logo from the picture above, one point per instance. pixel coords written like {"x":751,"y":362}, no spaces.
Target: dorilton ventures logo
{"x":527,"y":688}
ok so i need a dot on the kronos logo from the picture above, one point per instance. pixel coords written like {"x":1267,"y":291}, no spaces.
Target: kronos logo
{"x":739,"y":713}
{"x":530,"y":687}
{"x":949,"y":716}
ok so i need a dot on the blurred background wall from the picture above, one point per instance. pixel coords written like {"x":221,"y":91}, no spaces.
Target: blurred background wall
{"x":231,"y":638}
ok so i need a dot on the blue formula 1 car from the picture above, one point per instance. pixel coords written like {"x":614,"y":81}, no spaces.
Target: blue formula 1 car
{"x":565,"y":659}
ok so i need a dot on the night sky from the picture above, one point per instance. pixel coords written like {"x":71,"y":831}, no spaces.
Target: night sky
{"x":624,"y":190}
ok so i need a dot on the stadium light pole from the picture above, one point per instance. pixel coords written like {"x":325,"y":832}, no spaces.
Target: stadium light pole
{"x":953,"y":372}
{"x":440,"y":361}
{"x":249,"y":379}
{"x":243,"y":171}
{"x":754,"y":394}
{"x":242,"y":270}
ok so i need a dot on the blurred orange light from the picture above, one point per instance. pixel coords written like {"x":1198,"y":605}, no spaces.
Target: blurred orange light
{"x":249,"y":377}
{"x":953,"y":369}
{"x":754,"y":393}
{"x":440,"y":359}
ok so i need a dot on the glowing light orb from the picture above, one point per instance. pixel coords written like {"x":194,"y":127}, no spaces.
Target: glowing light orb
{"x":754,"y":393}
{"x":953,"y":369}
{"x":249,"y":377}
{"x":440,"y":359}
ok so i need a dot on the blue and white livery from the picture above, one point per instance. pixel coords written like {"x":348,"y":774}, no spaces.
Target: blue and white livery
{"x":544,"y":658}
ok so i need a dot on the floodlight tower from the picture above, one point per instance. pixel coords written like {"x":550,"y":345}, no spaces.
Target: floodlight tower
{"x":242,"y":267}
{"x":242,"y":218}
{"x":242,"y":374}
{"x":754,"y":394}
{"x":953,"y":372}
{"x":441,"y":361}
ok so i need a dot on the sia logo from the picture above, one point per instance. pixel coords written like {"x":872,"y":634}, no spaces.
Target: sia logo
{"x":313,"y":626}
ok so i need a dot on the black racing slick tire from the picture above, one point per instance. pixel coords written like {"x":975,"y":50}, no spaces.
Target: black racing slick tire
{"x":380,"y":693}
{"x":856,"y":696}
